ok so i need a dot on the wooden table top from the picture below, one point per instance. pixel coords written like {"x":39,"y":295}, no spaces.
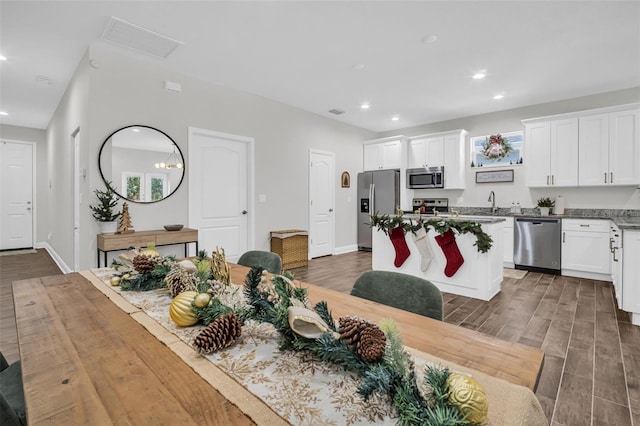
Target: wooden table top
{"x":87,"y":361}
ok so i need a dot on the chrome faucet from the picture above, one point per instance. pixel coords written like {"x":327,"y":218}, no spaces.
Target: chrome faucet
{"x":492,"y":198}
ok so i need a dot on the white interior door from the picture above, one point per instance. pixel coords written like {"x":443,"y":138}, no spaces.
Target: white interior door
{"x":75,"y":140}
{"x":321,"y":202}
{"x":221,"y":191}
{"x":16,"y":195}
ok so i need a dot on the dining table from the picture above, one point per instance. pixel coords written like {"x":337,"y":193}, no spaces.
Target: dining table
{"x":91,"y":357}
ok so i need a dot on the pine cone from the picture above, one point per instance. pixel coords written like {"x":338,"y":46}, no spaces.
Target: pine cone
{"x":179,"y":280}
{"x":222,"y":332}
{"x":366,"y":339}
{"x":144,"y":264}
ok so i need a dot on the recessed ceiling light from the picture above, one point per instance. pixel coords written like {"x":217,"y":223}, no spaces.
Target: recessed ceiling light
{"x":395,"y":118}
{"x":365,"y":105}
{"x":479,"y":75}
{"x":358,"y":67}
{"x":429,"y":39}
{"x":4,"y":113}
{"x":498,"y":97}
{"x":3,"y":58}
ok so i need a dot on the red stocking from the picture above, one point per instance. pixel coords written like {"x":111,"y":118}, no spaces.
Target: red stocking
{"x":447,"y":243}
{"x":400,"y":244}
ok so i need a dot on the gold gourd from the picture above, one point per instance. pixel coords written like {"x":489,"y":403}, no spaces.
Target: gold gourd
{"x":180,"y":309}
{"x":150,"y":250}
{"x":468,"y":396}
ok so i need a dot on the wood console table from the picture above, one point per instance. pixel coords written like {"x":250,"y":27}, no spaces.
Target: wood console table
{"x":114,"y":242}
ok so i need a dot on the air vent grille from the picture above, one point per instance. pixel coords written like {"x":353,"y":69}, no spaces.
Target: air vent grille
{"x":336,"y":111}
{"x":142,"y":40}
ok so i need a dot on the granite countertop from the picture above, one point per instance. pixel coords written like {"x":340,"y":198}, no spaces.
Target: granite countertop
{"x":446,"y":216}
{"x":624,"y":219}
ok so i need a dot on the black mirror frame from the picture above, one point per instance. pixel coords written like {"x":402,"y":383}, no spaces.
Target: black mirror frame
{"x":184,"y":167}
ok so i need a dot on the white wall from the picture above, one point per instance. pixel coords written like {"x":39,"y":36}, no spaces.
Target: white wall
{"x":126,"y":91}
{"x":71,"y":114}
{"x":39,"y":136}
{"x":476,"y":195}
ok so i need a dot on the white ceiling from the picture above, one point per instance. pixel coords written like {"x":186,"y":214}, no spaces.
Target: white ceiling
{"x":303,"y":53}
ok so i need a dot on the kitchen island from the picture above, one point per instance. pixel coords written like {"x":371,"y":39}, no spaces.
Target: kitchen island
{"x":479,"y":276}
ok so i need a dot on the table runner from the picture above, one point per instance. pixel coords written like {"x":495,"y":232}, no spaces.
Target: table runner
{"x":296,"y":386}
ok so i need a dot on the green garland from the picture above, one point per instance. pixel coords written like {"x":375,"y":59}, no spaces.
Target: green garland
{"x":394,"y":376}
{"x":385,"y":223}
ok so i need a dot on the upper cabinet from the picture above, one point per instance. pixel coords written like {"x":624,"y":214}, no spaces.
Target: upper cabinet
{"x":587,"y":148}
{"x":551,"y":148}
{"x":383,"y":154}
{"x":440,"y":149}
{"x":609,"y":149}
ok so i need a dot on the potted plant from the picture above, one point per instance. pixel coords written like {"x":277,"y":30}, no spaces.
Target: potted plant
{"x":103,"y":211}
{"x":545,"y":204}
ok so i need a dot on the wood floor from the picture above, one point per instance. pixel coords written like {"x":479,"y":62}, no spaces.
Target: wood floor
{"x":591,"y":373}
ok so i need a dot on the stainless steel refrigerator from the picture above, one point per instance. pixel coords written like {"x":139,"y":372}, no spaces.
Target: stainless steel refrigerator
{"x":378,"y":192}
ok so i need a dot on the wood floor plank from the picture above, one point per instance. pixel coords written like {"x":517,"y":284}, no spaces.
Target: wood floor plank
{"x":607,"y":413}
{"x":573,"y":406}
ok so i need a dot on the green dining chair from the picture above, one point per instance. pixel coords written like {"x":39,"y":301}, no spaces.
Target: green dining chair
{"x":400,"y":291}
{"x":12,"y":407}
{"x":266,"y":259}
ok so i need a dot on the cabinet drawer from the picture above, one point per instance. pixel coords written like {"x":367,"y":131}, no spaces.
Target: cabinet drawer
{"x":587,"y":225}
{"x":177,"y":237}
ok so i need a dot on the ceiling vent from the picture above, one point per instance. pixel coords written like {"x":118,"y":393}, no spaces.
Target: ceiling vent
{"x":142,"y":40}
{"x":336,"y":111}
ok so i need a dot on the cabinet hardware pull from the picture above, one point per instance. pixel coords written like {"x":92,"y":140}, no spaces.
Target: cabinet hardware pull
{"x":610,"y":177}
{"x":584,"y":226}
{"x":563,"y":234}
{"x":605,"y":177}
{"x":614,"y":254}
{"x":553,"y":179}
{"x":547,"y":179}
{"x":611,"y":245}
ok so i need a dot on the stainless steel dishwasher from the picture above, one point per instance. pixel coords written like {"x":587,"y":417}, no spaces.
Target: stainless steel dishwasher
{"x":537,"y":244}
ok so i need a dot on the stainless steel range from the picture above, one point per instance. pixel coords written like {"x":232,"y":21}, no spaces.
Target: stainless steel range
{"x":429,"y":206}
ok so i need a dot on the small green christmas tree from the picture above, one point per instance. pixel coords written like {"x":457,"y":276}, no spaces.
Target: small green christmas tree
{"x":103,"y":211}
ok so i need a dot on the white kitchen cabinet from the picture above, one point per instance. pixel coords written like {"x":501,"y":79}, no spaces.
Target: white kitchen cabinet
{"x":585,"y":248}
{"x":440,"y":149}
{"x":427,"y":151}
{"x":551,"y":148}
{"x":507,"y":242}
{"x":609,"y":149}
{"x":615,"y":247}
{"x":630,"y":274}
{"x":383,"y":154}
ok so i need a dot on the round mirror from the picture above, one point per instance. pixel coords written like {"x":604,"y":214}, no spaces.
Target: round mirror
{"x":143,"y":164}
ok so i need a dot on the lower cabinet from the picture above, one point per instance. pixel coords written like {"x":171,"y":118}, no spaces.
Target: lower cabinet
{"x":507,"y":242}
{"x":630,"y":274}
{"x":615,"y":246}
{"x":585,"y":248}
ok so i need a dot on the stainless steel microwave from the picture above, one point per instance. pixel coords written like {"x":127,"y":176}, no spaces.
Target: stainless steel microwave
{"x":425,"y":177}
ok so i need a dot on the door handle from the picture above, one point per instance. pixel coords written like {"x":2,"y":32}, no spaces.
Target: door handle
{"x":244,"y":212}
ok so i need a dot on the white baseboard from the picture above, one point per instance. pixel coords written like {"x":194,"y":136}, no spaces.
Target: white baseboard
{"x":55,"y":256}
{"x":588,"y":275}
{"x":345,"y":249}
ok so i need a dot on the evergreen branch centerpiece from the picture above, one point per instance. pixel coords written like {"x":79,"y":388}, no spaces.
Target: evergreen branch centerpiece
{"x":375,"y":352}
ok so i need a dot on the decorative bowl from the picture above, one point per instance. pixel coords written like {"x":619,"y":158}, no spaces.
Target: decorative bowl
{"x":173,"y":227}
